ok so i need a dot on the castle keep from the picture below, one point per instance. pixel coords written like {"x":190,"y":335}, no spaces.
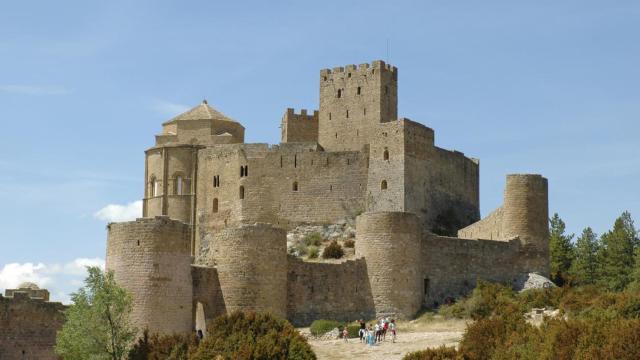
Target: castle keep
{"x":213,"y":237}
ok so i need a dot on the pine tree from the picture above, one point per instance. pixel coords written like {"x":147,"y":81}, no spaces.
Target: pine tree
{"x":584,"y":269}
{"x":618,"y":253}
{"x":561,"y":250}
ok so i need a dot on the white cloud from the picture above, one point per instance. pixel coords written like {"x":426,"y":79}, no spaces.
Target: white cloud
{"x":33,"y":89}
{"x":60,"y":279}
{"x":117,"y":213}
{"x":167,"y":108}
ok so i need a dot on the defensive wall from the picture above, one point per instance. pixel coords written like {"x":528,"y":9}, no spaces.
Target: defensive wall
{"x":28,"y":325}
{"x":301,"y":127}
{"x":151,"y":258}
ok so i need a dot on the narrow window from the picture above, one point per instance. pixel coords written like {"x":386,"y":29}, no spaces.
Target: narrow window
{"x":336,"y":135}
{"x":383,"y":185}
{"x":295,"y":161}
{"x":280,"y":160}
{"x":330,"y":187}
{"x":216,"y":181}
{"x":295,"y":186}
{"x":364,"y":111}
{"x":214,"y":207}
{"x":348,"y":74}
{"x":241,"y":171}
{"x":385,"y":155}
{"x":241,"y":193}
{"x":178,"y":189}
{"x":347,"y":161}
{"x":373,"y":71}
{"x":246,"y":170}
{"x":329,"y":116}
{"x":426,"y":286}
{"x":324,"y":78}
{"x":358,"y":91}
{"x":347,"y":114}
{"x":339,"y":93}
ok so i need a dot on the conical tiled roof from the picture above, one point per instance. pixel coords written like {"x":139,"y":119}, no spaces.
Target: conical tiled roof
{"x":202,"y":112}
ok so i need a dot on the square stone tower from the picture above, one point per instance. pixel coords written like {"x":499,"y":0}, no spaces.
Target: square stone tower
{"x":353,"y":100}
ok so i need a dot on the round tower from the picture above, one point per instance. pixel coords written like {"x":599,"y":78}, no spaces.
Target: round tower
{"x":151,"y":258}
{"x":391,"y":246}
{"x":252,"y":268}
{"x":526,"y":216}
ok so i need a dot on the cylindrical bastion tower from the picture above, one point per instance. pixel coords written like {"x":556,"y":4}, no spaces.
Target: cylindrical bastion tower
{"x":526,"y":215}
{"x":252,"y":268}
{"x":151,"y":258}
{"x":391,"y":246}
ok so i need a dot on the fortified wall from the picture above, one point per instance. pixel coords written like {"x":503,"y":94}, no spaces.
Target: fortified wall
{"x":29,"y":323}
{"x":213,"y":237}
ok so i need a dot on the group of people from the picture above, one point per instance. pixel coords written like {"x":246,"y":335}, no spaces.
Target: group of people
{"x":377,"y":332}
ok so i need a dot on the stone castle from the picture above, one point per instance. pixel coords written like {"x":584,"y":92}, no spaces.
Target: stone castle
{"x":217,"y":210}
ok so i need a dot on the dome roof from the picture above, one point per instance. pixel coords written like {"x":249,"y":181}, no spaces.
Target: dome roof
{"x":202,"y":112}
{"x":28,"y":285}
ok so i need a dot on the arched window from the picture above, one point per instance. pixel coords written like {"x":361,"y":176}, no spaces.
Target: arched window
{"x":383,"y":185}
{"x":214,"y":207}
{"x":241,"y":171}
{"x":295,"y":186}
{"x":154,"y":187}
{"x":339,"y":93}
{"x":241,"y":193}
{"x":178,"y":186}
{"x":385,"y":155}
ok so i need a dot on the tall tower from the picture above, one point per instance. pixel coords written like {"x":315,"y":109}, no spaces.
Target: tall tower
{"x":352,"y":101}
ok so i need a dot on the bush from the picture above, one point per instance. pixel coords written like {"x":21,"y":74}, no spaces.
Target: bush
{"x":321,"y":327}
{"x":349,"y":243}
{"x":252,"y":336}
{"x":441,"y":353}
{"x":313,"y":239}
{"x":333,"y":251}
{"x":353,"y":330}
{"x":160,"y":347}
{"x":313,"y":252}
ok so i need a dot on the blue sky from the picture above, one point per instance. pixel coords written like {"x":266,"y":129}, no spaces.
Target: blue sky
{"x":545,"y":87}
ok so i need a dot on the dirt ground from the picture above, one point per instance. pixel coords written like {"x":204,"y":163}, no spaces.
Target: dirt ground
{"x":412,"y":336}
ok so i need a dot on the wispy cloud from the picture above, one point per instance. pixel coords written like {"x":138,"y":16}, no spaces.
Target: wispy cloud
{"x":167,"y":108}
{"x":117,"y":213}
{"x":59,"y":279}
{"x":34,"y":89}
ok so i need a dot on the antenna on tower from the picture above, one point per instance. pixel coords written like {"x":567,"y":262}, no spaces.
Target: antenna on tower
{"x":388,"y":49}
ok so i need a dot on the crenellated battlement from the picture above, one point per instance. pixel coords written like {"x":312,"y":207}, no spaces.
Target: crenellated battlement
{"x":302,"y":127}
{"x":361,"y":69}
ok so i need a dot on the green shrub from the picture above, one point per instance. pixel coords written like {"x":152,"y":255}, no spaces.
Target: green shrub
{"x":313,"y":252}
{"x":333,"y":251}
{"x":161,"y":347}
{"x":313,"y":239}
{"x":251,"y":335}
{"x":321,"y":327}
{"x":441,"y":353}
{"x":349,"y":243}
{"x":300,"y":249}
{"x":353,"y":330}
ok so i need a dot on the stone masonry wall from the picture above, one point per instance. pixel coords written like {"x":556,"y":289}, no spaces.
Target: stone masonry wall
{"x":488,"y":228}
{"x":390,"y":245}
{"x":328,"y":291}
{"x":252,"y":268}
{"x":286,"y":185}
{"x":353,"y":100}
{"x":28,"y":327}
{"x":299,"y":127}
{"x":452,"y":265}
{"x":151,"y":258}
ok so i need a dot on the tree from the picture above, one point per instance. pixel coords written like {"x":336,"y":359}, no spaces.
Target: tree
{"x":97,"y":324}
{"x":617,"y":253}
{"x":584,"y":268}
{"x":561,"y":250}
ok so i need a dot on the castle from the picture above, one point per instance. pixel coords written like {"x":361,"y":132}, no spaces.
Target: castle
{"x":217,"y":210}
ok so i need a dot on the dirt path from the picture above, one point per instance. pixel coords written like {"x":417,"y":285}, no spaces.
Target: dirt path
{"x":413,"y":338}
